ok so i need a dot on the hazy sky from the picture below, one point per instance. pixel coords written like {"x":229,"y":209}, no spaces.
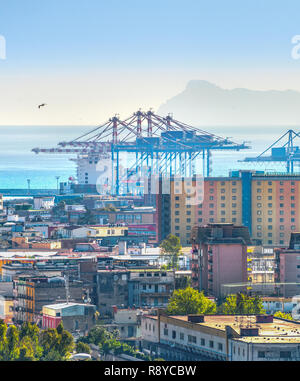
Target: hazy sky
{"x":90,"y":59}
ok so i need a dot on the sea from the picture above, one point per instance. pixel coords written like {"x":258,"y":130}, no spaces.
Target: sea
{"x":18,"y":163}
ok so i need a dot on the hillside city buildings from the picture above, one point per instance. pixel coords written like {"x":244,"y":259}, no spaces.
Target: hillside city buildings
{"x":68,"y":257}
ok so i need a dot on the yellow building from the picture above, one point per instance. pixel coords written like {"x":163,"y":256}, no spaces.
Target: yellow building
{"x":215,"y":200}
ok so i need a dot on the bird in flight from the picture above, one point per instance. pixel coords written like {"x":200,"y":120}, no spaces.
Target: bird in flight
{"x":42,"y":105}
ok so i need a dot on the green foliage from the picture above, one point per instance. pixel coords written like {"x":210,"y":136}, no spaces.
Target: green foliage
{"x":87,"y":218}
{"x":283,"y":315}
{"x":241,"y":304}
{"x":28,"y":343}
{"x":190,"y":301}
{"x":82,"y":348}
{"x":171,"y":249}
{"x":12,"y":336}
{"x":108,"y":342}
{"x":4,"y":353}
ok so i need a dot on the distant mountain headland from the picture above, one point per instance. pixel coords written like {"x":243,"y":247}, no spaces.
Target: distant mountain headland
{"x":205,"y":104}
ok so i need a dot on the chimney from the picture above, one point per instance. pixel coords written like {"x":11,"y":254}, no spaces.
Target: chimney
{"x":249,"y":331}
{"x":196,"y":318}
{"x":264,"y":318}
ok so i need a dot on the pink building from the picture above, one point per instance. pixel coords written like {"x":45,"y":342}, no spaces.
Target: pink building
{"x":219,"y":256}
{"x":288,"y":267}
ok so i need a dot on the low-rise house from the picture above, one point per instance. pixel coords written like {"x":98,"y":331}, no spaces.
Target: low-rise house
{"x":76,"y":318}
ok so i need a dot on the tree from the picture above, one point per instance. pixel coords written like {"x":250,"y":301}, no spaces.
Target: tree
{"x":49,"y":340}
{"x":12,"y":336}
{"x":3,"y":342}
{"x":82,"y":348}
{"x":190,"y":301}
{"x":27,"y":349}
{"x":87,"y":218}
{"x":171,"y":249}
{"x":242,"y":304}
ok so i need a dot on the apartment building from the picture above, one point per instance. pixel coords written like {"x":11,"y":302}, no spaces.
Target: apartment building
{"x":219,"y":256}
{"x":31,"y":293}
{"x":268,"y":204}
{"x":150,"y":288}
{"x":287,"y":269}
{"x":221,"y":337}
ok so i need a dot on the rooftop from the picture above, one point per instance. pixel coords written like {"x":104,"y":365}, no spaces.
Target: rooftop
{"x":277,"y":332}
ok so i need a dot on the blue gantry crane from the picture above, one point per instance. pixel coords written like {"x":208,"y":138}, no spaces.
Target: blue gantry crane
{"x":287,"y":152}
{"x":162,"y":145}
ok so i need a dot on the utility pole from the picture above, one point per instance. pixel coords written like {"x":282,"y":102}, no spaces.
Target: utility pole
{"x":57,"y":184}
{"x":28,"y":186}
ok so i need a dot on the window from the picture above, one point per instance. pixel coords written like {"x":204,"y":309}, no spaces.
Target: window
{"x":173,"y":334}
{"x":211,"y":344}
{"x":166,"y":331}
{"x":285,"y":354}
{"x":181,"y":336}
{"x":220,"y":346}
{"x":192,"y":339}
{"x":202,"y":341}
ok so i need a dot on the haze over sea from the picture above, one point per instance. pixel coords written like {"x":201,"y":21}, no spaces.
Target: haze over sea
{"x":18,"y":163}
